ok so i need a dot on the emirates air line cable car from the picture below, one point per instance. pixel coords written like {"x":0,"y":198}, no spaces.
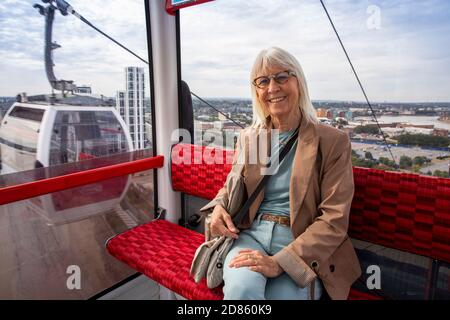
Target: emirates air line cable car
{"x":35,"y":135}
{"x":49,"y":130}
{"x":399,"y":222}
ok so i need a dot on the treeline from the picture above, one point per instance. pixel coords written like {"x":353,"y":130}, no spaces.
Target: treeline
{"x":423,"y":140}
{"x":369,"y":129}
{"x":408,"y":138}
{"x":405,"y":163}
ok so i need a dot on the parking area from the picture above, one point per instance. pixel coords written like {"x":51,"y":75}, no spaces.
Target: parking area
{"x":378,"y":151}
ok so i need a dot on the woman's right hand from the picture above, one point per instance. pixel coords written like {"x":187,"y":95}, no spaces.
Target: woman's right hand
{"x":221,"y":223}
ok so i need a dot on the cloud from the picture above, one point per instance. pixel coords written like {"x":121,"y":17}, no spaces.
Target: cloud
{"x":404,"y":60}
{"x":86,"y":56}
{"x":391,"y":54}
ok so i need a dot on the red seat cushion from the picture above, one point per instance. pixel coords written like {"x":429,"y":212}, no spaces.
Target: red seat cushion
{"x":404,"y":211}
{"x":199,"y":171}
{"x":358,"y":295}
{"x":397,"y":210}
{"x":163,"y":251}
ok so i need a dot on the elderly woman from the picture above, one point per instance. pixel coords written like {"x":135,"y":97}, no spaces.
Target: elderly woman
{"x":293,"y":243}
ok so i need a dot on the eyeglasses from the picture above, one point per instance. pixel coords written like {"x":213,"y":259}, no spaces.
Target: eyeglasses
{"x":280,"y":78}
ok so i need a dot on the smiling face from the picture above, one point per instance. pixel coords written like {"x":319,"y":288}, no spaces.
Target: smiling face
{"x":280,"y":100}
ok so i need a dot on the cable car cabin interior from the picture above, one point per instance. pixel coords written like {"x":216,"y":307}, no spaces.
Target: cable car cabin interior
{"x":78,"y":193}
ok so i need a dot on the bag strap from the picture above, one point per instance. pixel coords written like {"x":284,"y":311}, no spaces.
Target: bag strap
{"x":243,"y":211}
{"x":312,"y":289}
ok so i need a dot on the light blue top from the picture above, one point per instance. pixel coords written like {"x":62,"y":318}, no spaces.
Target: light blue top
{"x":276,"y":192}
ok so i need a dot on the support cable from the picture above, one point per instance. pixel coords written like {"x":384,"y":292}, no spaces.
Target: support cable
{"x":65,"y":8}
{"x":357,"y":78}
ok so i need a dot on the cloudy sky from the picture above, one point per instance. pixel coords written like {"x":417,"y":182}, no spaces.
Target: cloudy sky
{"x":400,"y":48}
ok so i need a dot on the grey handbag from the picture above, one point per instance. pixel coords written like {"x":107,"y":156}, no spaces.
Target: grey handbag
{"x":210,"y":256}
{"x":208,"y":261}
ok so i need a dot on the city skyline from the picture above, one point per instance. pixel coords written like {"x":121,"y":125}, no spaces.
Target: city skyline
{"x":406,"y":59}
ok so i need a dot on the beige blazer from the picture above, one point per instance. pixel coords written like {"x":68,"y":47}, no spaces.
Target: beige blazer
{"x":321,"y":192}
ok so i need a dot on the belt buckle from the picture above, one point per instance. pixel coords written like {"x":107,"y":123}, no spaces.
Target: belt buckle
{"x":279,"y":219}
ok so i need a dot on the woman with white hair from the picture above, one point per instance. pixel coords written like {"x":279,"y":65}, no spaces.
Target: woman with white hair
{"x":293,"y":243}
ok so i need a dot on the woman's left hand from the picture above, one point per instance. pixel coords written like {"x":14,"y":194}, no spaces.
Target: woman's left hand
{"x":258,"y":262}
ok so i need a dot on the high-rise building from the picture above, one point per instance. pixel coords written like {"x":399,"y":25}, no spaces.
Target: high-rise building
{"x":120,"y":104}
{"x":130,"y":104}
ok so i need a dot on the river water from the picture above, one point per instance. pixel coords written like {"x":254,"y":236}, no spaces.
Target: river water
{"x":409,"y":119}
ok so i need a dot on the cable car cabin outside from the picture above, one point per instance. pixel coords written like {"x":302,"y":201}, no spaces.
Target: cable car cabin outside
{"x":42,"y":135}
{"x":34,"y":135}
{"x":75,"y":165}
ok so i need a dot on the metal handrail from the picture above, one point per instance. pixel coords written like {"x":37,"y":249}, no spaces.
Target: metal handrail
{"x":41,"y":187}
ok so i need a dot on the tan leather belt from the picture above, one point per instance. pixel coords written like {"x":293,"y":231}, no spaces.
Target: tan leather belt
{"x":283,"y":220}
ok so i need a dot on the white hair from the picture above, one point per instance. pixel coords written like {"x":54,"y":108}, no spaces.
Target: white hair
{"x":278,"y":58}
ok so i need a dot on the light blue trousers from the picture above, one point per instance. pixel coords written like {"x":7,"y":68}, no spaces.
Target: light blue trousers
{"x":243,"y":284}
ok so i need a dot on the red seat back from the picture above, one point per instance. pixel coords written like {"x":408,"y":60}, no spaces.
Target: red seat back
{"x":404,"y":211}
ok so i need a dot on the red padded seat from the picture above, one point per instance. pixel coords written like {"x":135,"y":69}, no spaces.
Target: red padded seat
{"x":163,"y":251}
{"x":199,"y":171}
{"x":404,"y":211}
{"x":358,"y":295}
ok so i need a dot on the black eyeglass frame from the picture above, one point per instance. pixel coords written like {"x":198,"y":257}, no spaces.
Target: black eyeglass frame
{"x":274,"y":77}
